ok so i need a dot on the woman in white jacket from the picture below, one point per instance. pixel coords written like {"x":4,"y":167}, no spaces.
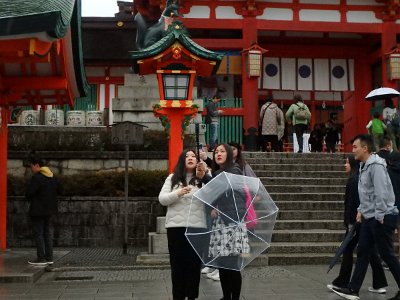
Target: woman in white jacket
{"x":176,"y":194}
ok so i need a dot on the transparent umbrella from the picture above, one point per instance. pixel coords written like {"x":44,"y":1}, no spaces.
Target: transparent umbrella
{"x":240,"y":217}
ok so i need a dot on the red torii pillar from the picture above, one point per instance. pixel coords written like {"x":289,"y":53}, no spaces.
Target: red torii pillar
{"x":249,"y":88}
{"x":4,"y":111}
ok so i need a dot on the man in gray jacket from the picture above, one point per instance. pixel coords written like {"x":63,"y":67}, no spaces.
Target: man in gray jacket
{"x":377,"y":215}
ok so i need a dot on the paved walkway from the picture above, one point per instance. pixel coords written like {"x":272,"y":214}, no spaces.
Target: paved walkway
{"x":116,"y":278}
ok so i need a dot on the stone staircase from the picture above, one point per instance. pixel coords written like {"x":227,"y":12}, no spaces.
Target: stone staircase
{"x":308,"y":188}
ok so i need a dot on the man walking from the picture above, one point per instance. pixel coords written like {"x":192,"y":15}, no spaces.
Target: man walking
{"x":212,"y":118}
{"x":377,"y":215}
{"x":42,"y":194}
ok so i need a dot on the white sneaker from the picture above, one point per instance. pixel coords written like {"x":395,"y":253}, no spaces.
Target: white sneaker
{"x":214,"y":275}
{"x":378,"y":291}
{"x":331,"y":286}
{"x":207,"y":270}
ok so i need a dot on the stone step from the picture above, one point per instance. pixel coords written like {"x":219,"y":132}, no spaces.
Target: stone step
{"x":303,"y":174}
{"x":303,"y":181}
{"x":298,"y":167}
{"x":307,"y":196}
{"x":302,"y":247}
{"x":294,"y":161}
{"x":310,"y":205}
{"x":309,"y":224}
{"x":304,"y":188}
{"x":293,"y":259}
{"x":310,"y":215}
{"x":316,"y":156}
{"x":315,"y":235}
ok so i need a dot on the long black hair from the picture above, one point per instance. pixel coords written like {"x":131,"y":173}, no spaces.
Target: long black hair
{"x":179,"y":174}
{"x":354,"y":165}
{"x":239,"y":158}
{"x":229,"y":158}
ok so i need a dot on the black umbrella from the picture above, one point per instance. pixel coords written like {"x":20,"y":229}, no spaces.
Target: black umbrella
{"x":382,"y":93}
{"x":347,"y":239}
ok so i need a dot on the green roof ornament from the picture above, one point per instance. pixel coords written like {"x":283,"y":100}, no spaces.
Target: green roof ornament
{"x":149,"y":35}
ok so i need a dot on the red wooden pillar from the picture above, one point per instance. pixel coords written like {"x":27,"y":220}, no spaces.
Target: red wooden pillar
{"x":176,"y":120}
{"x":4,"y":111}
{"x":249,"y":88}
{"x":313,"y":111}
{"x":363,"y":79}
{"x":388,"y":41}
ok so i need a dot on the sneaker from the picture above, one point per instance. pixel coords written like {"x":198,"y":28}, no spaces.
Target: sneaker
{"x":346,"y":293}
{"x":331,"y":286}
{"x":50,"y":262}
{"x":38,"y":263}
{"x":396,"y":297}
{"x":377,"y":291}
{"x":214,"y":275}
{"x":207,"y":270}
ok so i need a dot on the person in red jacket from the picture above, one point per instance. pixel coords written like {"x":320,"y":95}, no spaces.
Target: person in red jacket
{"x":42,"y":194}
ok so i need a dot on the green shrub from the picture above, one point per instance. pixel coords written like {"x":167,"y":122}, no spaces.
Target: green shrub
{"x":141,"y":183}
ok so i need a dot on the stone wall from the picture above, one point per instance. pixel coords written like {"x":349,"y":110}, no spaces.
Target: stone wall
{"x":69,"y":163}
{"x":88,"y":221}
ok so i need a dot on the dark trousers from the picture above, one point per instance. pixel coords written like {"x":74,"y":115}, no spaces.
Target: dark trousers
{"x":299,"y":129}
{"x":231,"y":283}
{"x":271,"y":138}
{"x":374,"y":234}
{"x":185,"y":265}
{"x":330,"y":147}
{"x":378,"y":274}
{"x":42,"y":234}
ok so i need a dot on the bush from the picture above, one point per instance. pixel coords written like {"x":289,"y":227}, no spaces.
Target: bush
{"x":111,"y":184}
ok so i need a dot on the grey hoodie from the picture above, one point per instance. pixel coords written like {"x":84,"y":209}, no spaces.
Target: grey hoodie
{"x":375,"y":189}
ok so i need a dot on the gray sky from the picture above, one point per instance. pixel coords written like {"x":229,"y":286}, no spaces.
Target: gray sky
{"x":99,"y":8}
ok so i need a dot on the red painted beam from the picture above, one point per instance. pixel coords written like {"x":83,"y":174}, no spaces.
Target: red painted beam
{"x":220,"y":43}
{"x":35,"y":83}
{"x":318,"y":26}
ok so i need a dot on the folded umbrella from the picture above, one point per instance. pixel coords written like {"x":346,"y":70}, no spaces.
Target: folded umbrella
{"x":347,"y":239}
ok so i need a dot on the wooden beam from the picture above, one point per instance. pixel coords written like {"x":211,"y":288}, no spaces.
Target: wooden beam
{"x":35,"y":83}
{"x":220,"y":43}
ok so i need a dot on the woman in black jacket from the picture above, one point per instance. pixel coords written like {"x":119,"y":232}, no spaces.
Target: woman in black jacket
{"x":231,"y":280}
{"x":351,"y":203}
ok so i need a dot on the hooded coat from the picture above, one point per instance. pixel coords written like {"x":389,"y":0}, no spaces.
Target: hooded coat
{"x":42,"y":193}
{"x":375,"y":189}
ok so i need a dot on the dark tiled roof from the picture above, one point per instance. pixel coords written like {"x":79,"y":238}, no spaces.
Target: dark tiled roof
{"x":32,"y":16}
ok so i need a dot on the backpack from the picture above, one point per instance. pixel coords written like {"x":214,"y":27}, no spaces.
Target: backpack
{"x":301,"y":113}
{"x":395,"y":121}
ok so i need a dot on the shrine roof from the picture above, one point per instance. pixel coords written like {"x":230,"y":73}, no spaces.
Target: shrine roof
{"x":176,"y":32}
{"x":27,"y":16}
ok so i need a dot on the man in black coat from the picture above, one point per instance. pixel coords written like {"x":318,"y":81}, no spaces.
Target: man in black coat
{"x":42,"y":193}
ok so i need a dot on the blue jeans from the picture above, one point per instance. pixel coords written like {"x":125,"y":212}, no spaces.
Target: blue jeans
{"x":374,"y":234}
{"x":213,"y":138}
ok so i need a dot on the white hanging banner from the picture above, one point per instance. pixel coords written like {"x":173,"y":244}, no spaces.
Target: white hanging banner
{"x":339,"y":75}
{"x":321,"y":75}
{"x":271,"y":73}
{"x":305,"y":74}
{"x":288,"y":73}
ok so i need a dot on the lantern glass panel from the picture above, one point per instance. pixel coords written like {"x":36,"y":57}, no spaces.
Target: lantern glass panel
{"x":254,"y":63}
{"x":176,"y":86}
{"x":394,"y":66}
